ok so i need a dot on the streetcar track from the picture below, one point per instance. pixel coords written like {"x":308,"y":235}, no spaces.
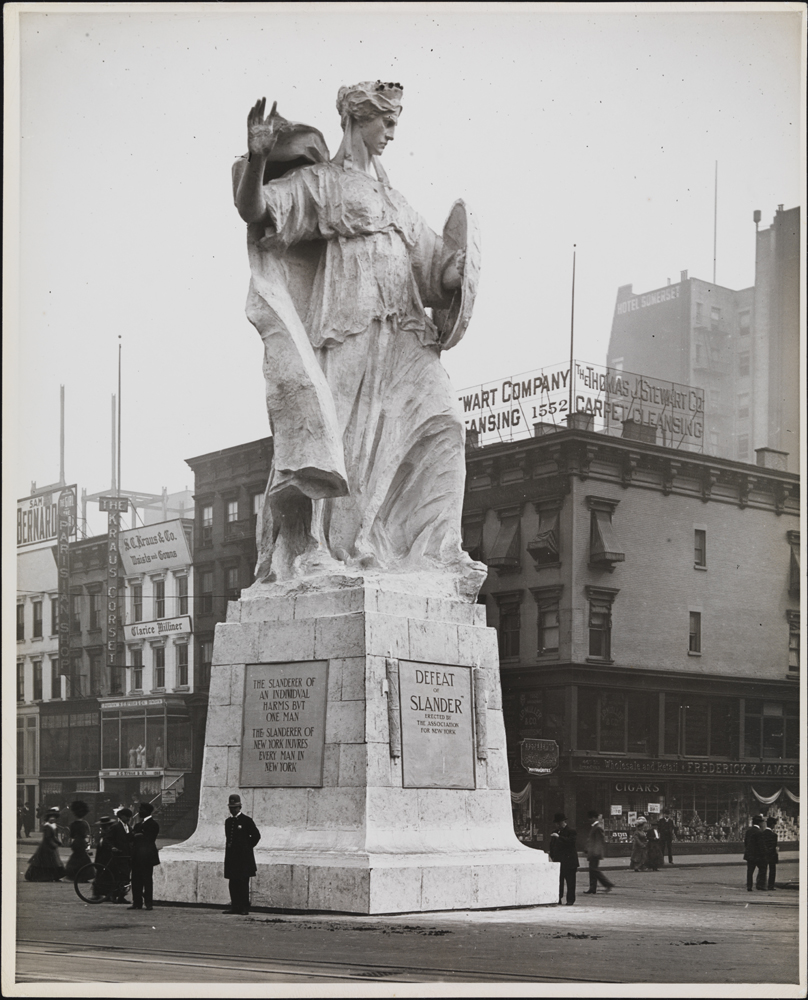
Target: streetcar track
{"x":310,"y":969}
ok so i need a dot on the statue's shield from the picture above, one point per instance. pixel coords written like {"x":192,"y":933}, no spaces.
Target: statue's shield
{"x":460,"y":233}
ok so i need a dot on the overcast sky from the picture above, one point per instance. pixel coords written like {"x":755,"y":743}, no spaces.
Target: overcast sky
{"x":588,"y":127}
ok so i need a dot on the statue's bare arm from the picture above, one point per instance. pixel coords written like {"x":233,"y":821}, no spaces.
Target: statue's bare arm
{"x":261,"y":137}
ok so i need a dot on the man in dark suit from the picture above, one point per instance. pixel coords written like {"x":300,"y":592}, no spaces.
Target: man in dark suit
{"x":241,"y":836}
{"x":666,"y":828}
{"x":144,"y":856}
{"x":564,"y":850}
{"x":595,"y":852}
{"x":770,"y":848}
{"x":114,"y":850}
{"x":754,"y":854}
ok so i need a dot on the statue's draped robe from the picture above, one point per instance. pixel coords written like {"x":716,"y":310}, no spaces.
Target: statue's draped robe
{"x":364,"y":420}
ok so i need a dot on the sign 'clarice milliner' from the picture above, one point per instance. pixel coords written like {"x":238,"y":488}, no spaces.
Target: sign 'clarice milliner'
{"x":355,"y":701}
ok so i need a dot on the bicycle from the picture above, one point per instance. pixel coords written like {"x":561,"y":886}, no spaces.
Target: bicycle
{"x":95,"y":883}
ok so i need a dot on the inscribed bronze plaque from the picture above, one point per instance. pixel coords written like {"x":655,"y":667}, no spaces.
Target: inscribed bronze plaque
{"x":283,"y":731}
{"x":437,"y":739}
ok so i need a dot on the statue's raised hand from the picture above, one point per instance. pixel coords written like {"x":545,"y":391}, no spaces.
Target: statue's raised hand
{"x":262,"y":133}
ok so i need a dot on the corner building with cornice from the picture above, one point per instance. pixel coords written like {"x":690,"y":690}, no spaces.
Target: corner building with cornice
{"x":647,"y":606}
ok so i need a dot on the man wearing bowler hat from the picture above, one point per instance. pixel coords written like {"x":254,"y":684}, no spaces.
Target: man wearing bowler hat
{"x":241,"y":836}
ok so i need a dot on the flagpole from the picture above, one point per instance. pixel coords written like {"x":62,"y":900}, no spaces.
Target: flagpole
{"x":119,"y":415}
{"x":572,"y":331}
{"x":715,"y":219}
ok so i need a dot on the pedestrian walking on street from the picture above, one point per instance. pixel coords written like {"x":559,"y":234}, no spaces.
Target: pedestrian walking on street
{"x":79,"y":839}
{"x":655,"y":858}
{"x":770,"y":846}
{"x":27,"y":820}
{"x":639,"y":847}
{"x":45,"y":864}
{"x":241,"y":836}
{"x":667,"y":829}
{"x":754,"y":854}
{"x":144,"y":856}
{"x":595,"y":851}
{"x":563,"y":849}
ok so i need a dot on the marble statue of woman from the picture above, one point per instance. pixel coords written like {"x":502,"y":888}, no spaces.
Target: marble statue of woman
{"x":368,"y":467}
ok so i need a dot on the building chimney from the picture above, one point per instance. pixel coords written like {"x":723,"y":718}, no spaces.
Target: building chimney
{"x":771,"y":458}
{"x":683,"y":275}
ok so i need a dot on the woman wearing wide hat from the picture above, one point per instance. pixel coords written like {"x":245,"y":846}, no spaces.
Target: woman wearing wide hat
{"x":45,"y":864}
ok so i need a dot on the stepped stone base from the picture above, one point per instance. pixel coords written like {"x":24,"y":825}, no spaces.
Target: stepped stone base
{"x":365,"y":841}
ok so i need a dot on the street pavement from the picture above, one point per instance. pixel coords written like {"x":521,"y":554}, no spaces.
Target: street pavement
{"x":692,"y":922}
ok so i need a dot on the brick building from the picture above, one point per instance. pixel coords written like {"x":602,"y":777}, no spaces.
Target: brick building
{"x":229,"y":488}
{"x":740,"y":346}
{"x":647,"y":604}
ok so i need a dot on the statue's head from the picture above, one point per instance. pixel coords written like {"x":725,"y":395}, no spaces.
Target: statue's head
{"x":373,"y":108}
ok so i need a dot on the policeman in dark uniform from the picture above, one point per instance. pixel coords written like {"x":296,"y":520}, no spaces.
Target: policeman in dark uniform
{"x":241,"y":836}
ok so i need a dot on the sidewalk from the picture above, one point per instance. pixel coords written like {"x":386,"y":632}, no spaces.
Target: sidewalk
{"x":607,"y":864}
{"x":692,"y":860}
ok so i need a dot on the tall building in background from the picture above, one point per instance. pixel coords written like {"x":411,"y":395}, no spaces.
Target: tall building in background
{"x":740,"y":346}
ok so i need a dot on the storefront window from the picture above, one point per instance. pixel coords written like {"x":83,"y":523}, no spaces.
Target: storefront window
{"x":554,"y":715}
{"x":587,"y":719}
{"x":110,"y":741}
{"x":133,"y":737}
{"x":701,"y":727}
{"x":179,"y":742}
{"x":153,"y":736}
{"x":612,"y":722}
{"x":771,"y":730}
{"x":643,"y":715}
{"x":618,"y":721}
{"x":697,"y":727}
{"x":70,"y":742}
{"x":54,"y":742}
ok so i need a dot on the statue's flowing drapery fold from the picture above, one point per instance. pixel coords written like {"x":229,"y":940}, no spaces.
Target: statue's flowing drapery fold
{"x":364,"y":420}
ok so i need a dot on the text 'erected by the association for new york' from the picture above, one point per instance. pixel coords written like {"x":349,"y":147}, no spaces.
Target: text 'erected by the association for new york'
{"x":283,"y":731}
{"x":436,"y":725}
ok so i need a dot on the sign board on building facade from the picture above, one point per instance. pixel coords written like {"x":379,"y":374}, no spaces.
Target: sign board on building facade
{"x":654,"y":766}
{"x":65,"y":524}
{"x":617,"y":810}
{"x":114,"y":590}
{"x":508,"y":409}
{"x":437,"y":740}
{"x":283,"y":732}
{"x":154,"y":548}
{"x":118,"y":505}
{"x":38,"y":518}
{"x":158,"y":629}
{"x":539,"y":756}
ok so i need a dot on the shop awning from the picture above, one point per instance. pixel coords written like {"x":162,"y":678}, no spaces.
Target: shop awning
{"x":604,"y":547}
{"x":505,"y":551}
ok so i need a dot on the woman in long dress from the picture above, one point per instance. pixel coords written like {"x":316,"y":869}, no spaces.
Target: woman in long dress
{"x":45,"y":864}
{"x":655,"y":858}
{"x":368,"y":466}
{"x":79,"y":839}
{"x":639,"y":848}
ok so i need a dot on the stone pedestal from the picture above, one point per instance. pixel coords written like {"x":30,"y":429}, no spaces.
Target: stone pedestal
{"x":372,"y":832}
